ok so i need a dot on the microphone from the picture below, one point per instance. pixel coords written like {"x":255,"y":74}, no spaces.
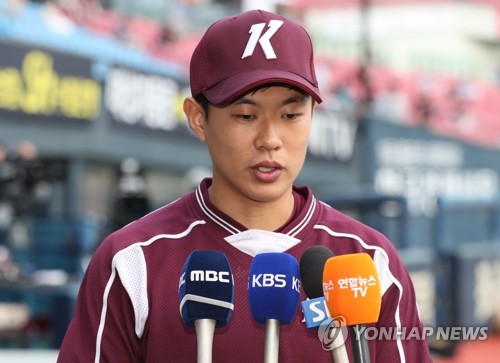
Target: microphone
{"x":352,"y":291}
{"x":316,"y":313}
{"x":273,"y":295}
{"x":206,"y":293}
{"x":312,"y":263}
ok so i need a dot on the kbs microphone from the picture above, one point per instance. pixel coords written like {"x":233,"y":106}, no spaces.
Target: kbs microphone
{"x":312,"y":263}
{"x":352,"y":290}
{"x":206,"y":293}
{"x":273,"y":295}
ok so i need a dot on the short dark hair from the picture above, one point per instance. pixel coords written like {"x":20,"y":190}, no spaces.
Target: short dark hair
{"x":204,"y":103}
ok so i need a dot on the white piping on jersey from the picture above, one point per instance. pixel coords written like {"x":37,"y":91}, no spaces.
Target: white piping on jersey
{"x":113,"y":275}
{"x":205,"y":300}
{"x":233,"y":230}
{"x":382,"y":252}
{"x":217,"y":220}
{"x":299,"y":227}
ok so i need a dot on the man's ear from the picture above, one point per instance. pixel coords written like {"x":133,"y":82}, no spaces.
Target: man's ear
{"x":195,"y":116}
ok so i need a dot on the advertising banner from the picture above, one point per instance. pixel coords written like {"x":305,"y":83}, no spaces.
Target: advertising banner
{"x":46,"y":84}
{"x":150,"y":101}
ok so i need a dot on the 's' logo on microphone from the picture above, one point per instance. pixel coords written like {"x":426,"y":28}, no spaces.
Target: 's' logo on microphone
{"x":315,"y":312}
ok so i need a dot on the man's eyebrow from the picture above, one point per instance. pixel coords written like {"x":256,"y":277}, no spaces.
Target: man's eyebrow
{"x":299,"y":98}
{"x":244,"y":101}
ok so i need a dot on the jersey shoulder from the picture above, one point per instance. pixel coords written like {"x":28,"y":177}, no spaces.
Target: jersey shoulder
{"x":340,"y":225}
{"x":172,"y":219}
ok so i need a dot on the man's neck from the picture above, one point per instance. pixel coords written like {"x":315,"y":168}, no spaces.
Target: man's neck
{"x":268,"y":216}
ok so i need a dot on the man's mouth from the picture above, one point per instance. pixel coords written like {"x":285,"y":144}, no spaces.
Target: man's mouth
{"x":265,"y":169}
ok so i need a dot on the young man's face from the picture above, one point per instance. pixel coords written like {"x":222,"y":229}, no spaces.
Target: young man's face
{"x":258,"y":143}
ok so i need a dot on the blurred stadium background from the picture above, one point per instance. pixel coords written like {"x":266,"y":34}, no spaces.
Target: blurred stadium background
{"x":92,"y":135}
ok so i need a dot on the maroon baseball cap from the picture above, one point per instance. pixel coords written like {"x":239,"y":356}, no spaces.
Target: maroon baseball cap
{"x":257,"y":47}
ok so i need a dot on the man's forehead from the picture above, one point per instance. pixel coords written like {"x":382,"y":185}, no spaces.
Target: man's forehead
{"x":292,"y":94}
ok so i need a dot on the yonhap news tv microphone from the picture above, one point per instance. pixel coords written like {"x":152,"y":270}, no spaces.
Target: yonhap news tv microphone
{"x":312,"y":263}
{"x":273,"y":295}
{"x":206,"y":293}
{"x":352,"y":291}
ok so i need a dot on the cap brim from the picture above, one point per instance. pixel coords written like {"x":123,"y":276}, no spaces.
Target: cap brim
{"x":238,"y":84}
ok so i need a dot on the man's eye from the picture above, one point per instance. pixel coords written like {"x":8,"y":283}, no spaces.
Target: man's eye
{"x":291,"y":116}
{"x":245,"y":117}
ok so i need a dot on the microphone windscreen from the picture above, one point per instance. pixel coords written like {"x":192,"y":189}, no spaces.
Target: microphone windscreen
{"x":274,"y":287}
{"x":206,"y":288}
{"x":312,"y":263}
{"x":351,"y":288}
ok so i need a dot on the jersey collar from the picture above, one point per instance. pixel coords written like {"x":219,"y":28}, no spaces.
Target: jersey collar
{"x":304,"y":216}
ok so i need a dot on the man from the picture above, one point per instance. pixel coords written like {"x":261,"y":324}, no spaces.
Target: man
{"x":254,"y":90}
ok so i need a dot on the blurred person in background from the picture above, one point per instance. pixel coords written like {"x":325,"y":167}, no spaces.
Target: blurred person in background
{"x":6,"y":177}
{"x":28,"y":173}
{"x":254,"y":90}
{"x":132,"y":201}
{"x":23,"y":174}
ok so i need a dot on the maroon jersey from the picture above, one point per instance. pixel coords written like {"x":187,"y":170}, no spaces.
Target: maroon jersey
{"x":128,"y":305}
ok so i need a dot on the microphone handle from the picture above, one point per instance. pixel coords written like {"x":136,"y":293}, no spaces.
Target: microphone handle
{"x":339,"y":352}
{"x":360,"y":350}
{"x":205,"y":329}
{"x":272,"y":341}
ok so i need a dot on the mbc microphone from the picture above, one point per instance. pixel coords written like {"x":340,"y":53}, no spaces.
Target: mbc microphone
{"x":312,"y":263}
{"x":206,"y":293}
{"x":273,"y":295}
{"x":352,"y":290}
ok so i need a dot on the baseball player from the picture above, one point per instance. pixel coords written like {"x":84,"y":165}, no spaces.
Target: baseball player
{"x":254,"y":90}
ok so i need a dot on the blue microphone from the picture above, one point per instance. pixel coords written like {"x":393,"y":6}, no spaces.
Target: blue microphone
{"x":206,"y":293}
{"x":273,"y":294}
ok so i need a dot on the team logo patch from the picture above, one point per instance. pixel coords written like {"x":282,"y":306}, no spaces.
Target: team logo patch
{"x":264,"y":40}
